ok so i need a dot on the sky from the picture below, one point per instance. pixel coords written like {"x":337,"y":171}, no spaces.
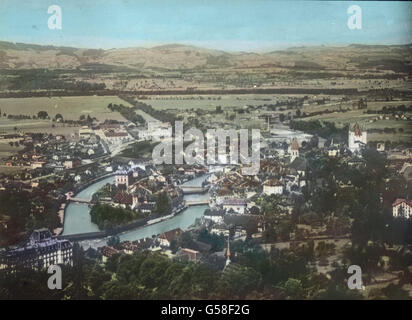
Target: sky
{"x":232,"y":25}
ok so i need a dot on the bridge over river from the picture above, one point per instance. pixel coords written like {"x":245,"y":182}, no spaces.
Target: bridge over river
{"x":193,"y":189}
{"x":189,"y":203}
{"x":81,"y":200}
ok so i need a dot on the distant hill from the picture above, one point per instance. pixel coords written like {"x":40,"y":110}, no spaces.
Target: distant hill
{"x":185,"y":57}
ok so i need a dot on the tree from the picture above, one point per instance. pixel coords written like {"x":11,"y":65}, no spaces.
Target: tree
{"x":174,"y":246}
{"x":254,"y":210}
{"x":42,"y":115}
{"x":293,"y":289}
{"x":113,"y":241}
{"x":163,"y":203}
{"x":238,"y":282}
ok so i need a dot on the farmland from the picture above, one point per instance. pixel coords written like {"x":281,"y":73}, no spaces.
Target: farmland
{"x":71,"y":108}
{"x":207,"y":102}
{"x":376,"y":124}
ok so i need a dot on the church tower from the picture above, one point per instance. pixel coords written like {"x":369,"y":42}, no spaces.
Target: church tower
{"x":294,"y":149}
{"x":357,"y":138}
{"x":228,"y":254}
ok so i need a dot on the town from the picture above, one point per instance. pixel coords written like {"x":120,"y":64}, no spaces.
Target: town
{"x":299,"y":201}
{"x":206,"y":152}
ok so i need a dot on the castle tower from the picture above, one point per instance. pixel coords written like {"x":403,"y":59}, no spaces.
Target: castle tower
{"x":357,"y":138}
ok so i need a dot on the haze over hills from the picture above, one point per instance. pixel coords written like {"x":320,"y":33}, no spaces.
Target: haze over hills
{"x":181,"y":57}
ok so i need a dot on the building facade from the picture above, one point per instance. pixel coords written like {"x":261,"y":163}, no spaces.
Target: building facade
{"x":273,"y":186}
{"x":123,"y":178}
{"x":236,"y":205}
{"x":402,"y":208}
{"x":41,"y":251}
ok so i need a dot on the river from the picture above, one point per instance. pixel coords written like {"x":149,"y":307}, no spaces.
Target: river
{"x":77,"y":216}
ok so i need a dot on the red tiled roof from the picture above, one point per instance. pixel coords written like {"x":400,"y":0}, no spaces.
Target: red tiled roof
{"x":357,"y":129}
{"x":234,"y":202}
{"x":123,"y":198}
{"x":294,"y":145}
{"x":109,"y":251}
{"x":170,"y":235}
{"x":273,"y":182}
{"x":401,"y":200}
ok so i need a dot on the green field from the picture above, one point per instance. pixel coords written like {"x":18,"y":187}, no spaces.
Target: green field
{"x":207,"y":102}
{"x":71,"y":108}
{"x":370,"y":121}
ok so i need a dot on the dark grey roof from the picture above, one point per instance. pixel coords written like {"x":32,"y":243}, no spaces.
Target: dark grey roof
{"x":299,"y":164}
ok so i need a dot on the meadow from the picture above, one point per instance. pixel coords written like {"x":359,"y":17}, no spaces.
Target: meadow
{"x":71,"y":108}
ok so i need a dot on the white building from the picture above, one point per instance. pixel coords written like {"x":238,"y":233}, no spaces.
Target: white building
{"x":273,"y":186}
{"x":357,"y":138}
{"x":37,"y":164}
{"x":85,"y":132}
{"x":333,"y":151}
{"x":402,"y":207}
{"x":216,"y":217}
{"x":157,"y":130}
{"x":380,"y":146}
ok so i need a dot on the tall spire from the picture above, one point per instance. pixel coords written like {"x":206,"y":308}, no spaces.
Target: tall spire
{"x":357,"y":129}
{"x":228,"y":251}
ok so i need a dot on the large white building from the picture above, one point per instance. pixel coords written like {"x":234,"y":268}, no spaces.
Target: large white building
{"x":41,"y":251}
{"x":357,"y":138}
{"x":402,"y":207}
